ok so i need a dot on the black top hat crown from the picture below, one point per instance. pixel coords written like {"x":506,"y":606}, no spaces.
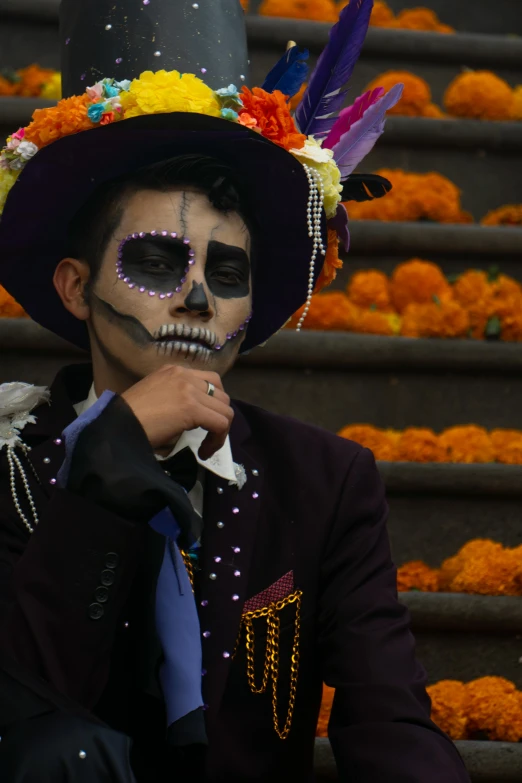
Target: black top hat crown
{"x":122,"y":38}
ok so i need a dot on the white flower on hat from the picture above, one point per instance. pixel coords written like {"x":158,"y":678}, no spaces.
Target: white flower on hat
{"x":26,"y":150}
{"x":17,"y":400}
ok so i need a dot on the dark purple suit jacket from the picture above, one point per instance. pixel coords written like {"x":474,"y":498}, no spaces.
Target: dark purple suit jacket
{"x":313,"y":504}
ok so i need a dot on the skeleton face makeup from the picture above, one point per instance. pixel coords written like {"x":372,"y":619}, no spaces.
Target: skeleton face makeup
{"x":174,"y":286}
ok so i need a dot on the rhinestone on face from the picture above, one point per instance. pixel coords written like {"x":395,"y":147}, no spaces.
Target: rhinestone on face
{"x":206,"y":634}
{"x":212,"y":576}
{"x":221,"y":525}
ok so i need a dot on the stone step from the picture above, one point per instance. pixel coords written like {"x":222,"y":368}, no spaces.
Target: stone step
{"x":487,"y":762}
{"x":463,"y":637}
{"x":466,"y":16}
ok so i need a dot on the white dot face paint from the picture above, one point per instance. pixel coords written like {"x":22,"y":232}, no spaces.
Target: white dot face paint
{"x":174,"y":285}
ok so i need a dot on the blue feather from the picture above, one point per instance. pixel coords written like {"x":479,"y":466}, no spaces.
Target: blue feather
{"x":289,"y":74}
{"x":326,"y":91}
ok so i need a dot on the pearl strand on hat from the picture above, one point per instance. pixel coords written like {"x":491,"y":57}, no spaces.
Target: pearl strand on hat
{"x":313,"y":214}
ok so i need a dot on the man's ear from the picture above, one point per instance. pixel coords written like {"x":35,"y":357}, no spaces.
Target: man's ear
{"x":71,"y":278}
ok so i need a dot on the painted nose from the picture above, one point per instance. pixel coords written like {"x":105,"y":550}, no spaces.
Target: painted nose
{"x":196,"y":300}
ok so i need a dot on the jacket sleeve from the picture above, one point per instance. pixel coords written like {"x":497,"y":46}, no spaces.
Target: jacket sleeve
{"x":379,"y":728}
{"x":62,"y":599}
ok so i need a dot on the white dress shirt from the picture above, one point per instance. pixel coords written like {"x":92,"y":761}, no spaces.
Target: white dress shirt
{"x":221,"y":463}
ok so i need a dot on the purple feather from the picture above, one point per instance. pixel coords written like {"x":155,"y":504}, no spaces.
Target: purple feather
{"x":357,"y":142}
{"x":326,"y":91}
{"x":351,"y":114}
{"x":340,"y":224}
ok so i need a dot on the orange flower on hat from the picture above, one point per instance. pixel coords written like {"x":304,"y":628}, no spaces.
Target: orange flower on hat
{"x":383,"y":443}
{"x":416,"y":575}
{"x":449,"y":707}
{"x":417,"y":281}
{"x":418,"y":444}
{"x":271,"y":112}
{"x":416,"y":95}
{"x":316,"y":10}
{"x":467,"y":444}
{"x":332,"y":263}
{"x":370,"y":288}
{"x":480,"y":95}
{"x":67,"y":117}
{"x":9,"y":307}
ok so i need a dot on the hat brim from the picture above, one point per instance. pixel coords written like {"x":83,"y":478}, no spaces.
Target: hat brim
{"x":62,"y":176}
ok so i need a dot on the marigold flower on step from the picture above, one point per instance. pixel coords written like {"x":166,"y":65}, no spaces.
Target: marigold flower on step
{"x":332,"y":263}
{"x":476,"y":549}
{"x":331,"y":311}
{"x":7,"y":87}
{"x":442,"y":319}
{"x":440,"y":198}
{"x":315,"y":10}
{"x":244,"y":5}
{"x":495,"y":573}
{"x":9,"y":307}
{"x":418,"y":281}
{"x":493,"y":706}
{"x":467,"y":444}
{"x":374,"y":322}
{"x":475,"y":293}
{"x":449,"y":707}
{"x":325,"y":710}
{"x":418,"y":444}
{"x":508,"y":215}
{"x":271,"y":112}
{"x":383,"y":443}
{"x":416,"y":575}
{"x":434,"y":112}
{"x":370,"y":288}
{"x":479,"y":95}
{"x":32,"y":80}
{"x":67,"y":117}
{"x":507,"y":445}
{"x":416,"y":95}
{"x":422,"y":19}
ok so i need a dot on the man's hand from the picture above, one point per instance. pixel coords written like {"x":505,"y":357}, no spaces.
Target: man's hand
{"x":174,"y":399}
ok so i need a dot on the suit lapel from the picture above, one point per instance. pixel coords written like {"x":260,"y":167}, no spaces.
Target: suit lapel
{"x":231,"y":518}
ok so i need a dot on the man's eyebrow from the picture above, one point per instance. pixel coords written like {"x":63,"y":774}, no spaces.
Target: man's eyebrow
{"x":222,"y":248}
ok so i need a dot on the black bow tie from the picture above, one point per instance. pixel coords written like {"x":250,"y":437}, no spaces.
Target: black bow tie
{"x":183,"y":468}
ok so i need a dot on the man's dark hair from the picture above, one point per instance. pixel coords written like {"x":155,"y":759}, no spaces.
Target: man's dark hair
{"x":94,"y":224}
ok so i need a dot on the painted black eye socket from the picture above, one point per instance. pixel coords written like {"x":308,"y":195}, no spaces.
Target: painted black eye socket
{"x":228,"y":276}
{"x":156,"y":266}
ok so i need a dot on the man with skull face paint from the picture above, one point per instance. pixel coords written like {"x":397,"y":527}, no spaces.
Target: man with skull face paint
{"x":180,"y":573}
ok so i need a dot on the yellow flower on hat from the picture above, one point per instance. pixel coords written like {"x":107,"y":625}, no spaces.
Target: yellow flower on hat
{"x":8,"y":178}
{"x":168,"y":91}
{"x":314,"y":156}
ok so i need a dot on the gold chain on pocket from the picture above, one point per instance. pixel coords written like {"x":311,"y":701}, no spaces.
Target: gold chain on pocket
{"x":189,"y":565}
{"x":271,"y":661}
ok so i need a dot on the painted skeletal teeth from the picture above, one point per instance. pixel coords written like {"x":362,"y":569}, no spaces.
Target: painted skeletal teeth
{"x":164,"y":331}
{"x":195,"y":333}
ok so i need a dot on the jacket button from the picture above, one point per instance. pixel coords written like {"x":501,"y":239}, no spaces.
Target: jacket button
{"x":107,"y":578}
{"x":101,"y":594}
{"x":112,"y":560}
{"x":96,"y":611}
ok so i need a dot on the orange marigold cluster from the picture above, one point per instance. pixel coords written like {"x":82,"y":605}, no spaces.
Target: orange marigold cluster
{"x":413,"y":197}
{"x":26,"y":82}
{"x":315,"y":10}
{"x":370,"y":289}
{"x":9,"y":307}
{"x":407,"y":19}
{"x":508,"y":215}
{"x":464,"y":444}
{"x":418,"y":282}
{"x":479,"y":95}
{"x":68,"y":117}
{"x":489,"y":705}
{"x":480,"y":567}
{"x":416,"y":97}
{"x":272,"y":114}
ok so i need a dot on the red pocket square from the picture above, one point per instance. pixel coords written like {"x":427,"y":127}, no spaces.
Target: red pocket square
{"x":276,"y":592}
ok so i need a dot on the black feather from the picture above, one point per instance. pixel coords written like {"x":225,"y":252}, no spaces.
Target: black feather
{"x":365,"y":187}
